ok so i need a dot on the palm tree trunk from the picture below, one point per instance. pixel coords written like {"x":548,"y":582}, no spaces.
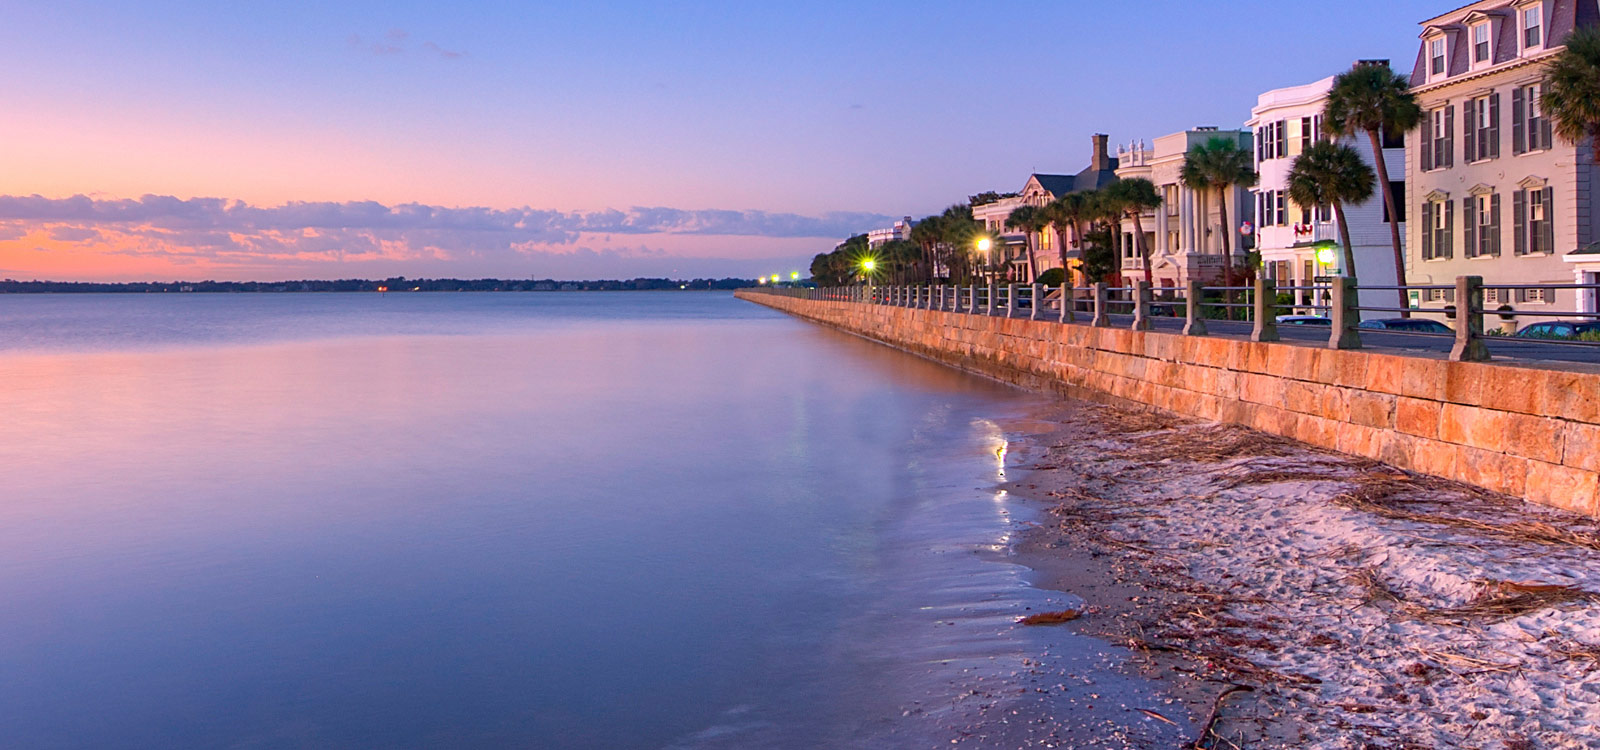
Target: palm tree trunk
{"x":1227,"y":248}
{"x":1394,"y":223}
{"x":1144,"y":249}
{"x":1032,"y":272}
{"x":1349,"y":252}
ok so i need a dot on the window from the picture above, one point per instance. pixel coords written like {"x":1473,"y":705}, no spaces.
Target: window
{"x":1436,"y":57}
{"x":1535,"y":295}
{"x":1539,"y":225}
{"x":1271,"y":208}
{"x":1306,"y":134}
{"x":1482,"y":225}
{"x":1436,"y":240}
{"x":1530,"y":130}
{"x":1437,"y":295}
{"x":1480,"y":43}
{"x":1535,"y":232}
{"x":1438,"y":139}
{"x":1495,"y":296}
{"x":1482,"y":127}
{"x":1398,"y":189}
{"x":1532,"y":27}
{"x":1316,"y":128}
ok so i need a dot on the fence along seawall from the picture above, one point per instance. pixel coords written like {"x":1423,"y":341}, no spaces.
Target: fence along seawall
{"x":1524,"y":430}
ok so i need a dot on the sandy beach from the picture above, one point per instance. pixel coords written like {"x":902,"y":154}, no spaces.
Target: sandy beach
{"x":1290,"y":597}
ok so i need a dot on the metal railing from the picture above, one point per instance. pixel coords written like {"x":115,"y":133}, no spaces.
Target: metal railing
{"x":1258,"y":305}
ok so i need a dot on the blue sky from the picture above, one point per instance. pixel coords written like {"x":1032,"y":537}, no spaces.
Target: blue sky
{"x":811,"y":110}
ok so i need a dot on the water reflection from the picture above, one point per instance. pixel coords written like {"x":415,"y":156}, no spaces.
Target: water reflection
{"x":606,"y":533}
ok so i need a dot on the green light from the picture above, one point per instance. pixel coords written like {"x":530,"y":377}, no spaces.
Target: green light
{"x":1326,"y":256}
{"x":868,"y":264}
{"x":794,"y":275}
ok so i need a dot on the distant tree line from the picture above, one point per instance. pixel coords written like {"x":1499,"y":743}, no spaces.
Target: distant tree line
{"x":395,"y":284}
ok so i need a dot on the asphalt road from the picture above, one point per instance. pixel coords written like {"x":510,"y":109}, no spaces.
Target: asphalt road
{"x":1500,"y":348}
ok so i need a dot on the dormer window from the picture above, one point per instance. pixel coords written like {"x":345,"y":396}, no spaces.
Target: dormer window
{"x":1480,"y":43}
{"x":1532,"y":27}
{"x":1436,"y":57}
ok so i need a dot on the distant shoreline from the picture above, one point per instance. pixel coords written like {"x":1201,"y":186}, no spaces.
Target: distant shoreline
{"x":397,"y":284}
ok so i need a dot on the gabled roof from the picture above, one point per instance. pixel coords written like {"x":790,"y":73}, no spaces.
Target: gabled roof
{"x":1593,"y":249}
{"x":1055,"y":184}
{"x":1089,"y":179}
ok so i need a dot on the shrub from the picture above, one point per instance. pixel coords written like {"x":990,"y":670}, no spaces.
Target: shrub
{"x":1053,"y":277}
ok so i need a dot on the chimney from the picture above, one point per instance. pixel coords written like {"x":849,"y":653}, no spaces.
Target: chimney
{"x":1102,"y":159}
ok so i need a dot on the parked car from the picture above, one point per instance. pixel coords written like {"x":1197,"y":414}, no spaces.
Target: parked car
{"x":1304,"y":320}
{"x":1560,"y":329}
{"x":1412,"y":325}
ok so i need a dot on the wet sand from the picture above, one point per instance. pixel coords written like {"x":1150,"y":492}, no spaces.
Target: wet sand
{"x":1288,"y":597}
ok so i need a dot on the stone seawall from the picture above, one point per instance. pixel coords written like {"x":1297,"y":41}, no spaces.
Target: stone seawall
{"x":1529,"y":431}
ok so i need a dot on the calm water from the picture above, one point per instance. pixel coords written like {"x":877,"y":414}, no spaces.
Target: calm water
{"x":512,"y":520}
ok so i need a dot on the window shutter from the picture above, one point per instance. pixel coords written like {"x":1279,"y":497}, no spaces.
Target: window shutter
{"x":1261,"y":155}
{"x":1545,"y":141}
{"x":1283,"y":139}
{"x":1469,"y":226}
{"x":1427,"y":230}
{"x":1522,"y":295}
{"x":1519,"y":222}
{"x":1519,"y":124}
{"x":1494,"y":125}
{"x":1449,"y":159}
{"x":1548,"y":226}
{"x":1427,"y":142}
{"x":1469,"y":131}
{"x":1447,"y":248}
{"x":1494,"y":225}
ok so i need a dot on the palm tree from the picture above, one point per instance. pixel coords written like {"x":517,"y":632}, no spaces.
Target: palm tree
{"x":1571,"y":97}
{"x":1070,"y":211}
{"x":1031,"y":220}
{"x":1220,"y":165}
{"x":925,"y":235}
{"x":1135,"y":196}
{"x":1375,"y":100}
{"x":1332,"y":174}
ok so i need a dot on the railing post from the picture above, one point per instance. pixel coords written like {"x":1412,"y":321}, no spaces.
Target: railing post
{"x":941,"y":299}
{"x":1101,"y":318}
{"x":1142,"y":297}
{"x":988,"y":299}
{"x":1346,"y":318}
{"x":1066,"y":302}
{"x":1011,"y":300}
{"x":1469,"y":321}
{"x":972,"y":299}
{"x":1266,"y":306}
{"x":1034,"y":298}
{"x":927,"y":297}
{"x":1194,"y":324}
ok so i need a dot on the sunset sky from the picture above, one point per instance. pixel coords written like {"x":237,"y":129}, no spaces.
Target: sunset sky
{"x":194,"y":140}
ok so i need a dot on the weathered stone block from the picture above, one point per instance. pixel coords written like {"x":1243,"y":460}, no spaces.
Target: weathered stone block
{"x":1491,"y":470}
{"x":1473,"y":426}
{"x":1417,"y":417}
{"x":1422,"y":378}
{"x":1562,"y":487}
{"x":1582,"y":446}
{"x":1534,"y":437}
{"x":1434,"y":457}
{"x":1370,"y":409}
{"x":1571,"y":395}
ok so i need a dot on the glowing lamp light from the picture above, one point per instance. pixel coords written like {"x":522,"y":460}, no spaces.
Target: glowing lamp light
{"x":984,"y":245}
{"x":383,"y":289}
{"x":868,"y":264}
{"x":763,"y":279}
{"x":1326,"y":256}
{"x":794,"y":275}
